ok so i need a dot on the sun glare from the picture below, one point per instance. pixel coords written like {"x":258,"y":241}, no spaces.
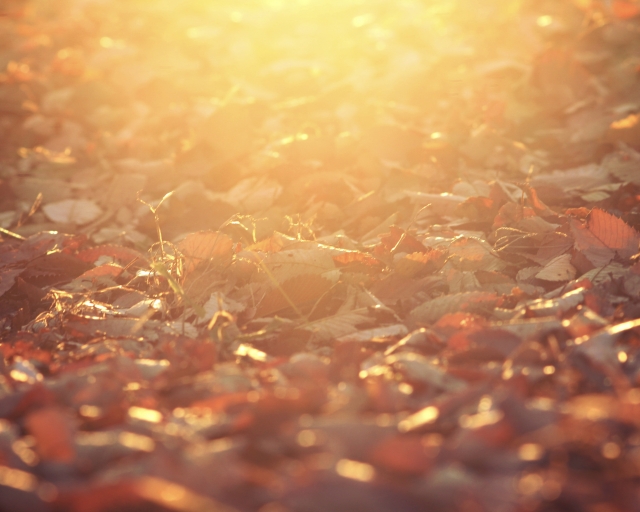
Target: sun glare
{"x":213,"y":70}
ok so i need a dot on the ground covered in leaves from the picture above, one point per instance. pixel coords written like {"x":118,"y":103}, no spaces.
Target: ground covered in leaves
{"x":319,"y":256}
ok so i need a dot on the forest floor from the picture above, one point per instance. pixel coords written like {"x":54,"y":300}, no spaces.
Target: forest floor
{"x":319,"y":256}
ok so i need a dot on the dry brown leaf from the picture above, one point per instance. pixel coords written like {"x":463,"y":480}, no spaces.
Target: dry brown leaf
{"x":335,"y":326}
{"x":202,"y":246}
{"x":297,"y":291}
{"x":286,"y":264}
{"x":7,"y":278}
{"x":124,"y":255}
{"x":586,"y":177}
{"x":420,"y":262}
{"x":603,"y":236}
{"x":376,"y":333}
{"x":471,"y":302}
{"x":72,"y":211}
{"x":586,"y":242}
{"x":474,"y":254}
{"x":274,"y":243}
{"x":558,"y":269}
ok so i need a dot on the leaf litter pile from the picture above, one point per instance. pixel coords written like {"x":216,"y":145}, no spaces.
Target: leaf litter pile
{"x":319,"y":256}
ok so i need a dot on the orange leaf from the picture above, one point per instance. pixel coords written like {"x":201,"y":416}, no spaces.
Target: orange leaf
{"x":102,"y":271}
{"x":203,"y":246}
{"x":590,"y":246}
{"x":580,"y":213}
{"x":539,"y":207}
{"x":355,"y":260}
{"x":417,"y":262}
{"x":614,"y":233}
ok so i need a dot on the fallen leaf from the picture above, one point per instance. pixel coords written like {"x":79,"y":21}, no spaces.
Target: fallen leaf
{"x":614,"y":233}
{"x":287,"y":264}
{"x":603,"y":236}
{"x":398,"y":330}
{"x":204,"y":246}
{"x":123,"y":255}
{"x":73,"y":211}
{"x":293,"y":292}
{"x":558,"y":269}
{"x":471,"y":302}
